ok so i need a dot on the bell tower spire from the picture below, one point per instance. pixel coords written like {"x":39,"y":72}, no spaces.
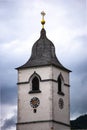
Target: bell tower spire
{"x":43,"y":89}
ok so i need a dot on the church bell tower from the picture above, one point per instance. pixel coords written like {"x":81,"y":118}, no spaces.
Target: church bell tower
{"x":43,"y":89}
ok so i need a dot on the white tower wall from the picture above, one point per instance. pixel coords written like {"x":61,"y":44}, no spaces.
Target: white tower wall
{"x":48,"y":115}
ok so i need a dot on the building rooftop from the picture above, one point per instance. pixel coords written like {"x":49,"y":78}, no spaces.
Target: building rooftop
{"x":43,"y":52}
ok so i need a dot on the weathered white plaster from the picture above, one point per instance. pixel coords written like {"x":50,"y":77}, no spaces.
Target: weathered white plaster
{"x":48,"y":108}
{"x":62,"y":115}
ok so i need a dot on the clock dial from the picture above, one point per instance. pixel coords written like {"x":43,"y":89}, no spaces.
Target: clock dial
{"x":34,"y":102}
{"x":61,"y":103}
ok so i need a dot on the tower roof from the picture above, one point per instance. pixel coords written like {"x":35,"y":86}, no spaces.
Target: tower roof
{"x":43,"y":54}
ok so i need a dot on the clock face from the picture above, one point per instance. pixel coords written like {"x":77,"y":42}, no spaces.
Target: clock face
{"x":61,"y":103}
{"x":34,"y":102}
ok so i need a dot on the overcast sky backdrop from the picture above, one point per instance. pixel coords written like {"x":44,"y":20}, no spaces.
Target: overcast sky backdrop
{"x":20,"y":28}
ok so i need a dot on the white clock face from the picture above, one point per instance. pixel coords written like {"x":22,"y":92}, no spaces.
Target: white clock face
{"x":34,"y":102}
{"x":61,"y":103}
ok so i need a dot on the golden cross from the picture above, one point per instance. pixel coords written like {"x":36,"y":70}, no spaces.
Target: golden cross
{"x":43,"y":21}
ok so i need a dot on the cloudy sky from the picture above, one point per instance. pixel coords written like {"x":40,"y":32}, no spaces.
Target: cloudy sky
{"x":20,"y":28}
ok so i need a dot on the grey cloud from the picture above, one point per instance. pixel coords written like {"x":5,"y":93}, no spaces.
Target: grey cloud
{"x":83,"y":38}
{"x":8,"y":62}
{"x":9,"y":123}
{"x":8,"y":78}
{"x":75,"y":12}
{"x":79,"y":76}
{"x":80,"y":60}
{"x":77,"y":57}
{"x":76,"y":16}
{"x":9,"y":95}
{"x":7,"y":20}
{"x":80,"y":68}
{"x":84,"y":79}
{"x":79,"y":92}
{"x":14,"y":20}
{"x":79,"y":102}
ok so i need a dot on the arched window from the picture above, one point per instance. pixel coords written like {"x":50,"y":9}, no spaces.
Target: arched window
{"x":35,"y":84}
{"x":60,"y":85}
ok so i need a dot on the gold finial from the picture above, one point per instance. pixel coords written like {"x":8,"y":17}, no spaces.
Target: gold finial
{"x":43,"y":21}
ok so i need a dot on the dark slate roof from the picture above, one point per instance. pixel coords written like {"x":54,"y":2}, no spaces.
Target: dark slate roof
{"x":43,"y":54}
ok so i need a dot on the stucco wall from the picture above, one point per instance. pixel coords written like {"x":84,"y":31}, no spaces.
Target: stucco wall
{"x":48,"y":108}
{"x":62,"y":115}
{"x":42,"y":126}
{"x":35,"y":126}
{"x":25,"y":113}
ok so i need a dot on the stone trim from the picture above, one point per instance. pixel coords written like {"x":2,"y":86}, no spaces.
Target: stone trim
{"x":34,"y":91}
{"x":35,"y":74}
{"x":61,"y":93}
{"x":44,"y":121}
{"x":45,"y":80}
{"x":22,"y":83}
{"x":45,"y":65}
{"x":67,"y":85}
